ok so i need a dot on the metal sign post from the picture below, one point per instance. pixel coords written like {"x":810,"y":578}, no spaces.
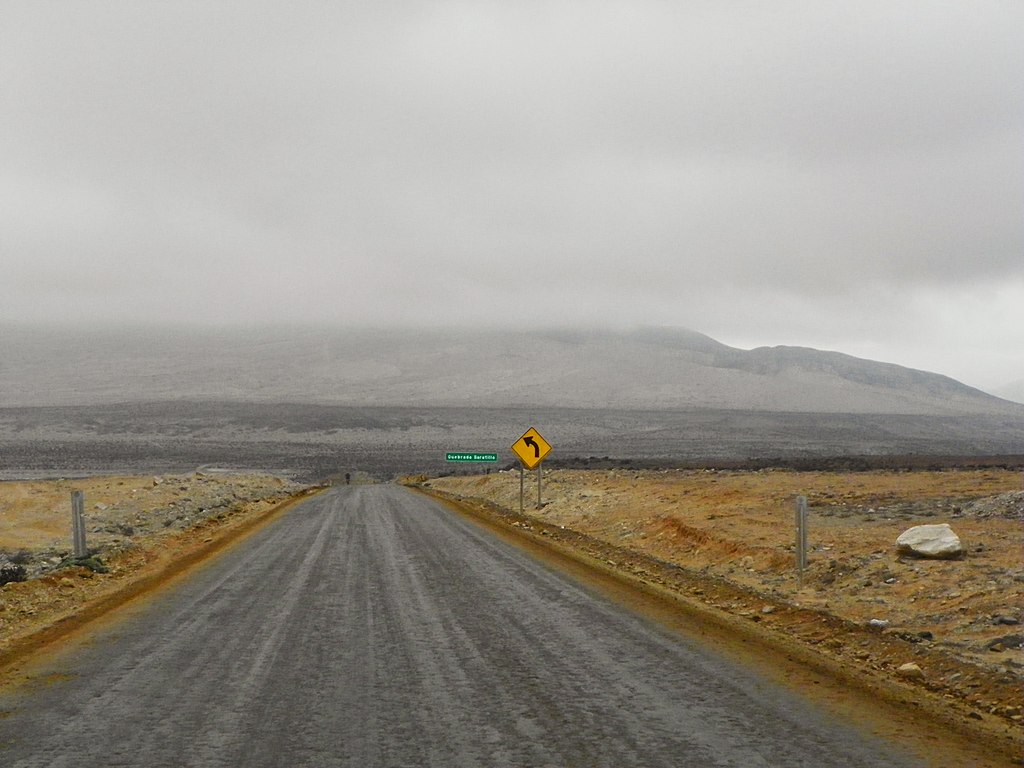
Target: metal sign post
{"x":531,"y":449}
{"x":540,"y":471}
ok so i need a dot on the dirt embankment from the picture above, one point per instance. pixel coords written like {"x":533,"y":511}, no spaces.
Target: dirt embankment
{"x":726,"y":539}
{"x":139,"y":531}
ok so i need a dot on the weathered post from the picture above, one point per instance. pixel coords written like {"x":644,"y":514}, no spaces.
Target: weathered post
{"x":540,"y":471}
{"x":801,"y":536}
{"x":521,"y":488}
{"x":78,"y":524}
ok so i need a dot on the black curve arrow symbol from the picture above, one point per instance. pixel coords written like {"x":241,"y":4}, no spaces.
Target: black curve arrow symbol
{"x":536,"y":448}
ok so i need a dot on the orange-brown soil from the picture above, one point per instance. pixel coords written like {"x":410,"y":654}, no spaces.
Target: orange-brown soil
{"x":727,"y":539}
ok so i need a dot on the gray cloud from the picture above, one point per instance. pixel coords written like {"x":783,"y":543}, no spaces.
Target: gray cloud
{"x":845,"y":176}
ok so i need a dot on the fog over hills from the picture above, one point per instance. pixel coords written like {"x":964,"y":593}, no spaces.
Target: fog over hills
{"x":1013,"y":391}
{"x":647,"y":369}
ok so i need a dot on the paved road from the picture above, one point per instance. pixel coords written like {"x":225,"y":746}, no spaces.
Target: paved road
{"x":371,"y":627}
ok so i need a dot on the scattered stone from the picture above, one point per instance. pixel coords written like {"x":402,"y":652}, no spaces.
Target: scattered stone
{"x":768,"y":609}
{"x":1006,"y":505}
{"x":1011,"y":620}
{"x":880,"y":623}
{"x":998,"y":644}
{"x":12,"y":572}
{"x":911,"y":671}
{"x":910,"y":637}
{"x":931,"y":541}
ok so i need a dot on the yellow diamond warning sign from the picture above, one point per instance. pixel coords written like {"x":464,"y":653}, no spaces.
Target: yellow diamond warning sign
{"x":531,"y":448}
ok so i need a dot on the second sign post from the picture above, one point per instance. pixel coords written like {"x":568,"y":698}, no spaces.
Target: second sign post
{"x":531,"y":449}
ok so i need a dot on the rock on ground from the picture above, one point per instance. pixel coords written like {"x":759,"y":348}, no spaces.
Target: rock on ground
{"x":936,"y":541}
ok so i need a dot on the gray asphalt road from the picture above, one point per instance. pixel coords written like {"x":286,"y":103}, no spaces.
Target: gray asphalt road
{"x":371,"y":627}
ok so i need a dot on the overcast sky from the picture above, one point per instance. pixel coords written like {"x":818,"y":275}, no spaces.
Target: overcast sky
{"x":843,"y":175}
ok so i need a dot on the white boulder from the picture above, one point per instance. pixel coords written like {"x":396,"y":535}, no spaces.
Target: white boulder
{"x":937,"y":541}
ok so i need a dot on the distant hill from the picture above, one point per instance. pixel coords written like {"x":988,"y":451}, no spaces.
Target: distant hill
{"x":643,"y":369}
{"x":1013,"y":391}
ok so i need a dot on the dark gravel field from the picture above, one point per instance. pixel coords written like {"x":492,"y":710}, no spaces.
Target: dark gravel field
{"x":313,"y":442}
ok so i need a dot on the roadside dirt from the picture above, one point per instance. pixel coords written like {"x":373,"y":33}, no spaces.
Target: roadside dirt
{"x":721,"y":540}
{"x":725,"y":540}
{"x":141,"y":530}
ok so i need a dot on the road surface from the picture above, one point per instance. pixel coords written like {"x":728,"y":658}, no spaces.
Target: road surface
{"x":371,"y":627}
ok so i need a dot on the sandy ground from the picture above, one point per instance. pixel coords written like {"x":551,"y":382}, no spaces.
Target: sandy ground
{"x":136,"y":526}
{"x":35,"y":515}
{"x":958,"y":620}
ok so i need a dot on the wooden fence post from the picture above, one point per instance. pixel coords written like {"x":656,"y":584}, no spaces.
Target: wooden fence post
{"x":801,"y":536}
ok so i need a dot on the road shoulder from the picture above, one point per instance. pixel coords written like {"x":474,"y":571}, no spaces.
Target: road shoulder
{"x":819,"y":654}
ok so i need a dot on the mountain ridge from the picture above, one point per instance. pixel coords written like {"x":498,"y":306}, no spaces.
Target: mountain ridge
{"x":646,"y":368}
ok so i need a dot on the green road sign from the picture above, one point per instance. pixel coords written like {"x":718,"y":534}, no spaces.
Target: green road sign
{"x":471,"y":457}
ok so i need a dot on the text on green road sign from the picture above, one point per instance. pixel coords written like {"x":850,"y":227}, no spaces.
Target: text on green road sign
{"x":471,"y":457}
